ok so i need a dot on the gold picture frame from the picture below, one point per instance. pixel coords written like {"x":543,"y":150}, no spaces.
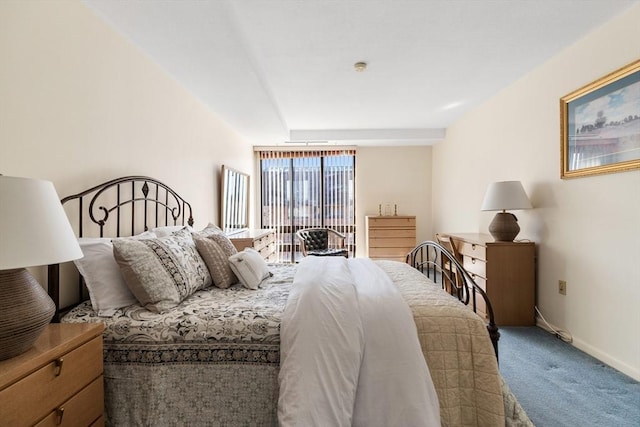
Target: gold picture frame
{"x":600,"y":125}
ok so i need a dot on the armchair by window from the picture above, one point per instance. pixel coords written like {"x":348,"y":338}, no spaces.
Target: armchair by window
{"x":322,"y":242}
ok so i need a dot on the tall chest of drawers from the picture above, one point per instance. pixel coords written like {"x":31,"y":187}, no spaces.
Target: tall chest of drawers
{"x":262,"y":240}
{"x":390,"y":237}
{"x":506,"y":272}
{"x":56,"y":382}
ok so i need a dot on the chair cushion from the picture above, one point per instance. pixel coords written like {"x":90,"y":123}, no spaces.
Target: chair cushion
{"x":328,"y":252}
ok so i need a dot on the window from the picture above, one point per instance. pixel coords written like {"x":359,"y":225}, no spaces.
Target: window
{"x":305,"y":189}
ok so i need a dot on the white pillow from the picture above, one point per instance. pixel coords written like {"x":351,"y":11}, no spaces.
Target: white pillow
{"x":250,"y":268}
{"x":107,"y":288}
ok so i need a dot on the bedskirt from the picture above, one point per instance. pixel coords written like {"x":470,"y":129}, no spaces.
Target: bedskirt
{"x":214,"y":360}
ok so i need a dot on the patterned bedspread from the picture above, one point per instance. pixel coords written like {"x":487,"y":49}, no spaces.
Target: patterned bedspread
{"x":214,"y":359}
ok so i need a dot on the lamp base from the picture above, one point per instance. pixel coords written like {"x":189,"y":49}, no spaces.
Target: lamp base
{"x":504,"y":227}
{"x":25,"y":310}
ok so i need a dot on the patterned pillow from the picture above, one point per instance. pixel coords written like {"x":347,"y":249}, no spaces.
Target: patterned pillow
{"x":216,"y":250}
{"x":209,"y":230}
{"x":250,"y":268}
{"x":161,"y":272}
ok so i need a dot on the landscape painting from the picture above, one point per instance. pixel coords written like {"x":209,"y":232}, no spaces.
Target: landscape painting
{"x":601,"y":125}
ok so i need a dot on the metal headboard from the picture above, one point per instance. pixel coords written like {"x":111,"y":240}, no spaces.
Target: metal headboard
{"x":120,"y":207}
{"x":442,"y":267}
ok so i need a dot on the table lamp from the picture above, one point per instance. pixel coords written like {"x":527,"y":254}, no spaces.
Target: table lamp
{"x":34,"y":231}
{"x":503,"y":196}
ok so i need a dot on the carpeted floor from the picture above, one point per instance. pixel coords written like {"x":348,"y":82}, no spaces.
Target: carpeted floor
{"x":559,"y":385}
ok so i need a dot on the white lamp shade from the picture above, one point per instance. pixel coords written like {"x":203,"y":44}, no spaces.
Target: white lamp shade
{"x":34,"y":229}
{"x":505,"y":195}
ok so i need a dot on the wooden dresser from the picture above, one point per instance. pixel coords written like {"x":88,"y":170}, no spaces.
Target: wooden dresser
{"x":507,"y":273}
{"x":58,"y":381}
{"x":262,"y":240}
{"x":390,"y":237}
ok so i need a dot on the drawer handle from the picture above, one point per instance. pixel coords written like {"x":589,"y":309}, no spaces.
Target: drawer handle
{"x":58,"y":369}
{"x":473,"y":260}
{"x":473,"y":247}
{"x":59,"y":416}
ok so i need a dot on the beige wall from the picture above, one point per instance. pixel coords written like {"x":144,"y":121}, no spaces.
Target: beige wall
{"x":394,"y":175}
{"x":80,"y":104}
{"x":587,"y":229}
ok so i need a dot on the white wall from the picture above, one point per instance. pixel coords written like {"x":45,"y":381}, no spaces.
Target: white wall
{"x":394,"y":175}
{"x":80,"y":104}
{"x":587,"y":229}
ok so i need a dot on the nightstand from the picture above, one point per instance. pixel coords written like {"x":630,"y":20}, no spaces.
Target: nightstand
{"x":56,"y":382}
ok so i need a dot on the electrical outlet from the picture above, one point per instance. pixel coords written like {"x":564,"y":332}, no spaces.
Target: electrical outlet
{"x":562,"y":287}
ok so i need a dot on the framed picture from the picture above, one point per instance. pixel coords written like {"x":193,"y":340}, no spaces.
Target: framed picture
{"x":600,"y":125}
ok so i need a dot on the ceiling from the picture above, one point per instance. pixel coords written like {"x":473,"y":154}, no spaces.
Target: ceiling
{"x":283,"y":70}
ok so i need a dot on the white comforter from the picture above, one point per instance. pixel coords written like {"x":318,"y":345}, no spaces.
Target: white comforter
{"x":350,"y":354}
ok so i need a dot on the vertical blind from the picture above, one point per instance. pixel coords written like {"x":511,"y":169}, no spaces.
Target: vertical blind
{"x":307,"y":189}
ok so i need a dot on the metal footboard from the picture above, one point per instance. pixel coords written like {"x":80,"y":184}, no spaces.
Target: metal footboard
{"x":443,"y":268}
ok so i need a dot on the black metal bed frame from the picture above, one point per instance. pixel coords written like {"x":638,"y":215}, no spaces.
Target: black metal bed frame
{"x":438,"y":264}
{"x":146,"y":201}
{"x":161,"y":206}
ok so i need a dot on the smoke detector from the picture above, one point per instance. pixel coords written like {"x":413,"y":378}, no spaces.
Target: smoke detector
{"x":360,"y":66}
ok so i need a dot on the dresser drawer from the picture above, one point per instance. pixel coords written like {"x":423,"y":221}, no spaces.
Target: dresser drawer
{"x":480,"y":281}
{"x":388,"y":253}
{"x":392,"y":222}
{"x":481,"y":306}
{"x":390,"y":242}
{"x":382,"y":233}
{"x":267,"y":250}
{"x":263,"y":242}
{"x":473,"y":250}
{"x":81,"y":410}
{"x":51,"y":385}
{"x":475,"y":266}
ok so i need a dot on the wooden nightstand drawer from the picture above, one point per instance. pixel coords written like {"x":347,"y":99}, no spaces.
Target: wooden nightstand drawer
{"x":55,"y":382}
{"x":81,"y":410}
{"x":41,"y":387}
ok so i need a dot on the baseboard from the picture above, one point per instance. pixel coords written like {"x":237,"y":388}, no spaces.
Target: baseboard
{"x":594,"y":352}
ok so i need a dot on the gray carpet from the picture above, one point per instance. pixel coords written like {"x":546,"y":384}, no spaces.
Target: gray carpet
{"x":559,"y":385}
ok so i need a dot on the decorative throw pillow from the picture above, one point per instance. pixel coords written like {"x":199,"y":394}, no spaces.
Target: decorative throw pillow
{"x":168,"y":229}
{"x":250,"y":268}
{"x":216,"y":250}
{"x":107,"y":288}
{"x":162,"y":272}
{"x":209,"y":230}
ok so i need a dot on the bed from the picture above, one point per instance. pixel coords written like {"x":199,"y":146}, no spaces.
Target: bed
{"x":212,"y":356}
